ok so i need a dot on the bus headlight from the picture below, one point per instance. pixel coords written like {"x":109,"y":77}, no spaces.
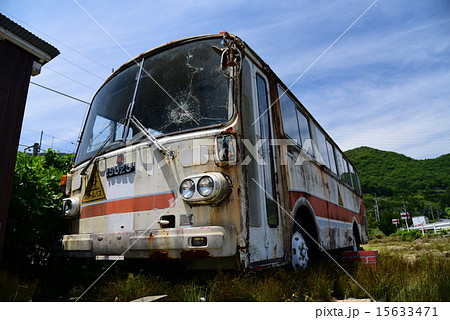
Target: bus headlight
{"x":71,"y":207}
{"x":187,"y":188}
{"x":206,"y":188}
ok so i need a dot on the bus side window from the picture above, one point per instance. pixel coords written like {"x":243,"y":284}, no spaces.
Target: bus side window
{"x":347,"y":177}
{"x":304,"y":132}
{"x":321,"y":144}
{"x":332,"y":160}
{"x":355,"y":180}
{"x":289,"y":117}
{"x":342,"y":166}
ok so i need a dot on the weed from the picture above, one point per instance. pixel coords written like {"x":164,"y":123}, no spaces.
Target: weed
{"x":15,"y":289}
{"x":131,"y":287}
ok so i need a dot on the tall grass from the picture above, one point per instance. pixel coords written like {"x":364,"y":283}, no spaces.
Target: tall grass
{"x":13,"y":288}
{"x":394,"y":279}
{"x":407,"y":271}
{"x":128,"y":287}
{"x":399,"y":279}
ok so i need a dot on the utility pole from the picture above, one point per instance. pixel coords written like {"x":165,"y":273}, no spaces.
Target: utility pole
{"x":35,"y":149}
{"x":431,"y":207}
{"x":377,"y":212}
{"x":404,"y":210}
{"x":40,"y":141}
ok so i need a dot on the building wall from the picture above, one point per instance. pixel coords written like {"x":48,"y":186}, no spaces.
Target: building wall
{"x":15,"y":73}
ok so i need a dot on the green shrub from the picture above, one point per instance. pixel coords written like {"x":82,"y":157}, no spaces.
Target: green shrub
{"x":408,"y":235}
{"x":34,"y":210}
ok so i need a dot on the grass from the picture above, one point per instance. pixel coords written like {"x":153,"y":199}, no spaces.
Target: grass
{"x":417,"y":270}
{"x":14,"y":288}
{"x":407,"y":271}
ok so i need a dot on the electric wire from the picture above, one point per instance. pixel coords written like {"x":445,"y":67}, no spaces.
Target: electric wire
{"x":315,"y":61}
{"x":56,"y":40}
{"x":80,"y":67}
{"x":67,"y":77}
{"x":137,"y":63}
{"x":48,"y":135}
{"x":59,"y":92}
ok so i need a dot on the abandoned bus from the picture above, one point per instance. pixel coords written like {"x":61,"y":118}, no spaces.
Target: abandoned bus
{"x":196,"y":152}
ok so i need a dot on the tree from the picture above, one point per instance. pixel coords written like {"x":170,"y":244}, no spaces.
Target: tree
{"x":35,"y":206}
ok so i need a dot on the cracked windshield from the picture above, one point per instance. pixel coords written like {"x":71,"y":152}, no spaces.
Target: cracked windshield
{"x":176,"y":90}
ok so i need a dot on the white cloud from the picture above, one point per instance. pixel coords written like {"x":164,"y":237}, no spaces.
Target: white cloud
{"x":386,"y":79}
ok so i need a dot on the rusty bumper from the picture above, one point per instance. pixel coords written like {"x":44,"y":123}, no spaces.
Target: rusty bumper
{"x":171,"y":243}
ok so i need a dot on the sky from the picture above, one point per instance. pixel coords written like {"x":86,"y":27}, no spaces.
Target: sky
{"x":383,"y":83}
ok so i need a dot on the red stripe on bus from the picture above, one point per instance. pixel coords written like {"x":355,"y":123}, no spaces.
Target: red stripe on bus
{"x":324,"y":208}
{"x":151,"y":202}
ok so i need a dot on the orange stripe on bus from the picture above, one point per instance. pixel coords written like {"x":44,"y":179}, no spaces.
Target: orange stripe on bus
{"x":150,"y":202}
{"x":326,"y":209}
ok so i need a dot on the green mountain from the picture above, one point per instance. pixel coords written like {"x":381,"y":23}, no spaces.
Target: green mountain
{"x":386,"y":173}
{"x":393,"y":183}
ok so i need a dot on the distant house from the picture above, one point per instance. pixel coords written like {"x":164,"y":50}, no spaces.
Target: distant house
{"x":420,"y":221}
{"x":22,"y":54}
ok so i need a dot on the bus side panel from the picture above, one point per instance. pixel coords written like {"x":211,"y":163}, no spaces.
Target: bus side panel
{"x":335,"y":205}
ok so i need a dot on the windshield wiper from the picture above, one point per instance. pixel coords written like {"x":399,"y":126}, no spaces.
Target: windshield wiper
{"x":169,"y":154}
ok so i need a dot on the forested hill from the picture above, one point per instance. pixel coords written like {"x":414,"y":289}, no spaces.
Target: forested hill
{"x":386,"y":173}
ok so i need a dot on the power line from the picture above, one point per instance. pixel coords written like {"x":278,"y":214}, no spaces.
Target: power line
{"x":78,"y":52}
{"x":67,"y":77}
{"x":48,"y":135}
{"x":59,"y":92}
{"x":80,"y":67}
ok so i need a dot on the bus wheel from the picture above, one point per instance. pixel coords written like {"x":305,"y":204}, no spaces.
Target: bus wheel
{"x":300,"y":254}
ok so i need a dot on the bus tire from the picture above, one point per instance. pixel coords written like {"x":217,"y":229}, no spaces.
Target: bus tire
{"x":302,"y":249}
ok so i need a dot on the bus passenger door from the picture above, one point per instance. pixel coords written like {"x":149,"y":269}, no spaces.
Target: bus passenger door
{"x":265,"y":235}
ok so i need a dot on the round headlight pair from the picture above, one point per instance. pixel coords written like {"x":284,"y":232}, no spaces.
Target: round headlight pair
{"x":205,"y":186}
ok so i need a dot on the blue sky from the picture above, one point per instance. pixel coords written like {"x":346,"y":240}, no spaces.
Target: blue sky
{"x":384,"y":84}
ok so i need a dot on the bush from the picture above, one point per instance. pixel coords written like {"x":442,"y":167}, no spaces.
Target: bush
{"x":408,"y":235}
{"x":34,"y":213}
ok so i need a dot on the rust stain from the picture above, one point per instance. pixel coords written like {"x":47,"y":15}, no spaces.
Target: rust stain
{"x":230,"y":130}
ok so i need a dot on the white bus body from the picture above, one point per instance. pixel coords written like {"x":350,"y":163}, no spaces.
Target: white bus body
{"x":194,"y":151}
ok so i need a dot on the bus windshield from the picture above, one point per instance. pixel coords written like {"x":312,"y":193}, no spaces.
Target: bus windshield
{"x":175,"y":90}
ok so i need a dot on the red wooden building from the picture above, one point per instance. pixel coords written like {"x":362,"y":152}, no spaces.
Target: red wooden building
{"x":22,"y":54}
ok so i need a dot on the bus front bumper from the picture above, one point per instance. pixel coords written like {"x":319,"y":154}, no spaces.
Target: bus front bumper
{"x":170,"y":243}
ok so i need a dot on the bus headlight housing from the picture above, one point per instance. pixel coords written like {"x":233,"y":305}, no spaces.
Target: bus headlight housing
{"x":71,"y":207}
{"x":187,"y":188}
{"x":206,"y":188}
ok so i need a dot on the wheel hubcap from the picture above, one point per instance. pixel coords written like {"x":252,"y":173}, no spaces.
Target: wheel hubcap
{"x":299,"y":251}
